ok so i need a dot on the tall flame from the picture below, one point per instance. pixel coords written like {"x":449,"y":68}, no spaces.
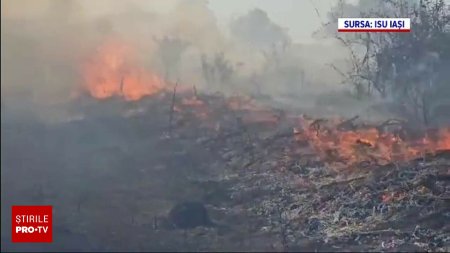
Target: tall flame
{"x":113,"y":70}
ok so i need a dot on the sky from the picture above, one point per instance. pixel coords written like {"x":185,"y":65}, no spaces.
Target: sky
{"x":297,"y":16}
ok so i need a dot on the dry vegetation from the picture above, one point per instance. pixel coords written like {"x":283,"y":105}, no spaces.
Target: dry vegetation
{"x":153,"y":119}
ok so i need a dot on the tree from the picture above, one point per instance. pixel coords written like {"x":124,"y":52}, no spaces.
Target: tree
{"x":410,"y":69}
{"x":170,"y":51}
{"x":256,"y":29}
{"x":217,"y":70}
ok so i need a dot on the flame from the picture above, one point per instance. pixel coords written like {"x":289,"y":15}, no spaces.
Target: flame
{"x":444,"y":139}
{"x":338,"y":148}
{"x":113,"y":70}
{"x":341,"y":148}
{"x":254,"y":112}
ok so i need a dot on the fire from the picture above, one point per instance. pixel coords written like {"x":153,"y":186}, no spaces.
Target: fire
{"x":337,"y":146}
{"x":341,"y":148}
{"x":199,"y":108}
{"x":113,"y":70}
{"x":444,"y":139}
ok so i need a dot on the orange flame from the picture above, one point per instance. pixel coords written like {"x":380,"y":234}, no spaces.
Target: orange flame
{"x":347,"y":147}
{"x":113,"y":70}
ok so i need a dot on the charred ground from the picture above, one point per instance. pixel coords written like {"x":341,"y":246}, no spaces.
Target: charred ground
{"x":113,"y":177}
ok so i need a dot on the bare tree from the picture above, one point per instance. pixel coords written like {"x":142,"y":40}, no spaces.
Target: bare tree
{"x":217,"y":70}
{"x":170,"y":51}
{"x":406,"y":68}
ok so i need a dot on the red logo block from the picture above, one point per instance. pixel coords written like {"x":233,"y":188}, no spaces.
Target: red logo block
{"x":32,"y":224}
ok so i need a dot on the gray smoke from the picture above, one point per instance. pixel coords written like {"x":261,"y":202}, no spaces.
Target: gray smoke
{"x":43,"y":45}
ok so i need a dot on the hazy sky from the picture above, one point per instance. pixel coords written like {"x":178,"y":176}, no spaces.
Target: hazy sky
{"x":298,"y":16}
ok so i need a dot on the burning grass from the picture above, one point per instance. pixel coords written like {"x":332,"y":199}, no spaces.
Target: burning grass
{"x":339,"y":143}
{"x":279,"y":180}
{"x":113,"y":70}
{"x":355,"y":145}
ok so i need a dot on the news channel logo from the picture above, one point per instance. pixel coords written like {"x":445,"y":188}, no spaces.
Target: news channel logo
{"x":374,"y":25}
{"x":31,"y":224}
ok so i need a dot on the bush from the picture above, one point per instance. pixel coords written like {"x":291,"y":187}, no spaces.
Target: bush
{"x":410,"y":69}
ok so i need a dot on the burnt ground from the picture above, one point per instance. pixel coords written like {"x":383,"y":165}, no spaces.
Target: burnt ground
{"x":112,"y":177}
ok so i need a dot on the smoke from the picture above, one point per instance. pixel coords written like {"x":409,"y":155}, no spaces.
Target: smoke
{"x":44,"y":42}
